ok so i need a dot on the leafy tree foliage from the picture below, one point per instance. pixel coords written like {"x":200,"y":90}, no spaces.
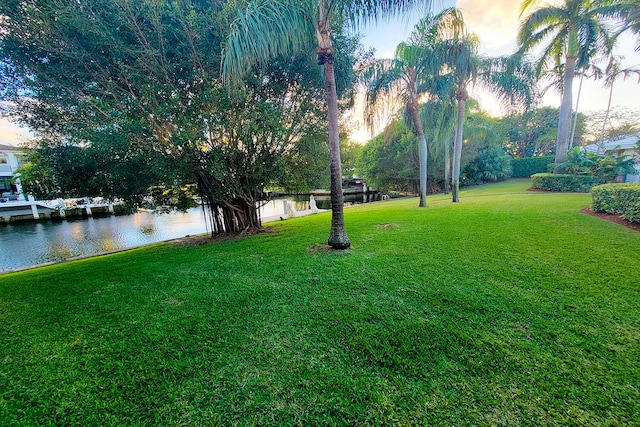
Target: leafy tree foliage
{"x":491,"y":165}
{"x":390,"y":161}
{"x":56,"y":169}
{"x":306,"y":165}
{"x":136,"y":85}
{"x":617,"y":123}
{"x":533,"y":133}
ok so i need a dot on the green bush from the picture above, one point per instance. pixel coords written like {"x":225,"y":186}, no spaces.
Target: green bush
{"x":491,"y":165}
{"x":618,"y":199}
{"x":559,"y":182}
{"x":525,"y":167}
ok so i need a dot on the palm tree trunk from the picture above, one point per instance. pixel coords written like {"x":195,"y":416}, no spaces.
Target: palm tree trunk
{"x":447,"y":166}
{"x":575,"y":116}
{"x":457,"y":151}
{"x":338,"y":237}
{"x":564,"y":122}
{"x":606,"y":116}
{"x":422,"y":148}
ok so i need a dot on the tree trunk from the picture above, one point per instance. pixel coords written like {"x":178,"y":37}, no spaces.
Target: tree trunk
{"x":575,"y":115}
{"x":564,"y":121}
{"x":338,"y":237}
{"x":447,"y":166}
{"x":457,"y":148}
{"x":606,"y":116}
{"x":414,"y":111}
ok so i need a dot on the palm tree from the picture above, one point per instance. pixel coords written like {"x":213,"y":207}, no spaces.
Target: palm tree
{"x":408,"y":76}
{"x":570,"y":34}
{"x":511,"y":79}
{"x":611,"y":73}
{"x":269,"y":28}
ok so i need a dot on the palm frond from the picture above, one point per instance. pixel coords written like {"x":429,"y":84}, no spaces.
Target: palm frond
{"x":511,"y":79}
{"x":537,"y":26}
{"x":526,"y":4}
{"x":382,"y":81}
{"x":362,"y":12}
{"x":263,"y":31}
{"x":431,"y":29}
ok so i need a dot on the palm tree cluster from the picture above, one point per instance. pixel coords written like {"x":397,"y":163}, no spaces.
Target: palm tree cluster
{"x":268,"y":29}
{"x":435,"y":66}
{"x":438,"y":63}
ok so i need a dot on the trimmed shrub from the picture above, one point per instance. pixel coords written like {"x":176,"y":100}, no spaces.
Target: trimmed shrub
{"x":559,"y":182}
{"x":618,"y":199}
{"x":527,"y":166}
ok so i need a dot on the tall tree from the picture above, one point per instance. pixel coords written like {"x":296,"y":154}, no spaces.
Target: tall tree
{"x":570,"y":36}
{"x":269,"y":28}
{"x":511,"y":79}
{"x":141,"y":80}
{"x":410,"y":75}
{"x":612,"y":72}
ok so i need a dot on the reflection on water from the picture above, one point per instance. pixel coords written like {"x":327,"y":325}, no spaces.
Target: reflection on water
{"x":31,"y":243}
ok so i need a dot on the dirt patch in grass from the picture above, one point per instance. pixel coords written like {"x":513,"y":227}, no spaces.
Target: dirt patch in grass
{"x":203,"y":239}
{"x":319,"y":249}
{"x":613,"y":218}
{"x":386,"y":226}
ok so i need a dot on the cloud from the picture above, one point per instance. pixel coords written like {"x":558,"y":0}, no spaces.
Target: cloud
{"x":495,"y":22}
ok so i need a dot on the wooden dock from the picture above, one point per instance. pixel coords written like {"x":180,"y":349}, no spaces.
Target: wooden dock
{"x":36,"y":210}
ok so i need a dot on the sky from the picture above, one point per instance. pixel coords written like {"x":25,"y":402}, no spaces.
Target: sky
{"x":496,"y":24}
{"x":11,"y":133}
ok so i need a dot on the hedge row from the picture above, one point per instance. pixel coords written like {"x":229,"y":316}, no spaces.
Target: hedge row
{"x":525,"y":167}
{"x":618,"y":199}
{"x":557,"y":182}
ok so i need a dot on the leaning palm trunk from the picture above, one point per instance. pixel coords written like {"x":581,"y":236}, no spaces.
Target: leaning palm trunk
{"x":338,"y":236}
{"x":575,"y":115}
{"x":564,"y":122}
{"x":457,"y":149}
{"x":606,"y":116}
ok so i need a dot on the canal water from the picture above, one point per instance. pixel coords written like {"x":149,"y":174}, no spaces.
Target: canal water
{"x":31,"y":243}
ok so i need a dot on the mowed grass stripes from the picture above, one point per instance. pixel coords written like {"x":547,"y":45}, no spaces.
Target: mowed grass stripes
{"x":509,"y":308}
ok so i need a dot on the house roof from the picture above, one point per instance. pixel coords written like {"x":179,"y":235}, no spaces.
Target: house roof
{"x":5,"y":147}
{"x":626,"y":143}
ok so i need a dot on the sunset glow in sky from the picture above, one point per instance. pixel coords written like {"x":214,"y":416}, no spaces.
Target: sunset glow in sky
{"x":496,"y":23}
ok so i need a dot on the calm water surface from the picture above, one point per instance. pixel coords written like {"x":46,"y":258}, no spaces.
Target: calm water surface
{"x":31,"y":243}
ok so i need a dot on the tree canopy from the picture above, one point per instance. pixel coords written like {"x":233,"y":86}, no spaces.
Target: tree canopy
{"x":138,"y":84}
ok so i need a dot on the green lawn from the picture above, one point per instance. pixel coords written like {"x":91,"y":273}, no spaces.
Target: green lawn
{"x":510,"y":308}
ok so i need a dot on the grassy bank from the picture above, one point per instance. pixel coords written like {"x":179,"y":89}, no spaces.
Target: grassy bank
{"x":510,"y":308}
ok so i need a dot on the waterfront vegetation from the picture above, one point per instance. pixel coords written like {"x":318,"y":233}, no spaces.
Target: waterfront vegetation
{"x":510,"y":308}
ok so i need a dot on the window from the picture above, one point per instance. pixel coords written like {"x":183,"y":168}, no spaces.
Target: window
{"x":3,"y":159}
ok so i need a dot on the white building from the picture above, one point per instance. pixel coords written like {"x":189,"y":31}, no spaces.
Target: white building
{"x":9,"y":163}
{"x":622,"y":147}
